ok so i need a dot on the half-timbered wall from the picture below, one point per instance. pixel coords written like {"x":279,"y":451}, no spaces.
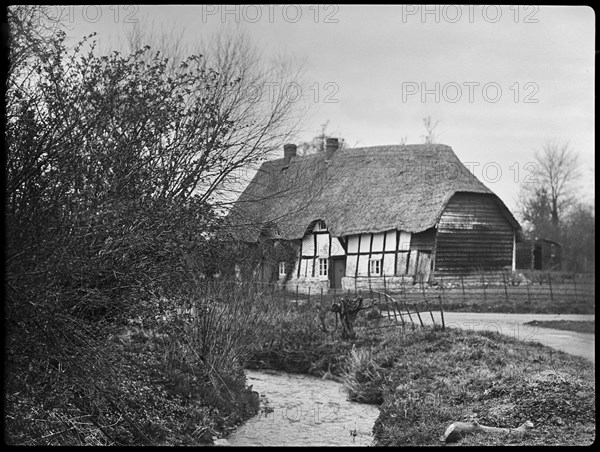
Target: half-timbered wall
{"x":316,"y":244}
{"x":382,"y":246}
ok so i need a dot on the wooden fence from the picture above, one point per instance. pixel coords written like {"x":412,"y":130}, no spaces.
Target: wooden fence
{"x":533,"y":291}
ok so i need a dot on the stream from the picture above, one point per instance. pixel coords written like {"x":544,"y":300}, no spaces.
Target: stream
{"x":301,"y":410}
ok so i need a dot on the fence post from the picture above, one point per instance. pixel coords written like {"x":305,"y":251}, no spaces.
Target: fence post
{"x":431,"y":314}
{"x":575,"y":286}
{"x":528,"y":295}
{"x":410,"y":316}
{"x":296,"y":295}
{"x":505,"y":288}
{"x":308,"y":302}
{"x":462,"y":283}
{"x":418,"y":315}
{"x":442,"y":312}
{"x":384,"y":285}
{"x":442,"y":285}
{"x":550,"y":284}
{"x":395,"y":306}
{"x":321,"y":302}
{"x":405,"y":297}
{"x":483,"y":285}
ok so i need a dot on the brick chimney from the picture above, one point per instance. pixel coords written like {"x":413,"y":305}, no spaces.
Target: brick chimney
{"x":331,"y":145}
{"x":289,"y":151}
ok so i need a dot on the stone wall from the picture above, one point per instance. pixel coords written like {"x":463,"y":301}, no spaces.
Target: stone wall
{"x":305,"y":283}
{"x":364,"y":283}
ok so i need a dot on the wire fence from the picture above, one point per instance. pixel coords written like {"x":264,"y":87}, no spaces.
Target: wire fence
{"x":540,"y":288}
{"x":423,"y":303}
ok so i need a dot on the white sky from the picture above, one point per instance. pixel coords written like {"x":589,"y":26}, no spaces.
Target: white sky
{"x":502,"y":81}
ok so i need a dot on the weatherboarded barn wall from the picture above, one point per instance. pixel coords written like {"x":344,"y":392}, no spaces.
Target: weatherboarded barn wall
{"x":473,"y":235}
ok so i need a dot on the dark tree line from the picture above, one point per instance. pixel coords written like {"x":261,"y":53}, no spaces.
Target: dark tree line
{"x":551,"y":207}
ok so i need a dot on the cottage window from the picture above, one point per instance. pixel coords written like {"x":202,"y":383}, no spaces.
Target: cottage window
{"x":375,"y":266}
{"x":323,"y":267}
{"x":282,"y":269}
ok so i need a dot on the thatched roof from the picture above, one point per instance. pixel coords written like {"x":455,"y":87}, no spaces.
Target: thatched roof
{"x":359,"y":190}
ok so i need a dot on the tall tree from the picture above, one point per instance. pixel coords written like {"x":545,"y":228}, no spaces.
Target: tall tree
{"x":545,"y":198}
{"x":257,"y":101}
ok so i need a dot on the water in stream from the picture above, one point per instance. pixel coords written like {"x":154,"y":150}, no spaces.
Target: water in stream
{"x":300,"y":410}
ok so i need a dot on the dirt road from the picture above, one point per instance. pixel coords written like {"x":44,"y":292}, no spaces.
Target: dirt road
{"x":514,"y":325}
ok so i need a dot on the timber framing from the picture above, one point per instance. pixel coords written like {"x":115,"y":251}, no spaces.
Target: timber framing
{"x":394,"y":204}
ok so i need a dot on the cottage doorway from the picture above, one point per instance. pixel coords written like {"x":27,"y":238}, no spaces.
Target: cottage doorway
{"x":423,"y":266}
{"x":338,"y":271}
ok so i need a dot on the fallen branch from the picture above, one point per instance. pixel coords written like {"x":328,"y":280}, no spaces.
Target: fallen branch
{"x":457,"y":430}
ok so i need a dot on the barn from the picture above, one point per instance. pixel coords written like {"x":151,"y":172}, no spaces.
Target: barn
{"x":539,"y":254}
{"x":373,"y":216}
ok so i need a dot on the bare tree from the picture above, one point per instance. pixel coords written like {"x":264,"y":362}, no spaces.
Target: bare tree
{"x":259,"y":103}
{"x":430,"y":136}
{"x":559,"y":169}
{"x":548,"y":198}
{"x":318,"y":143}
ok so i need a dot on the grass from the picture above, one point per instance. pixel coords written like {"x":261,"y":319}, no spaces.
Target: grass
{"x":423,"y":380}
{"x":440,"y":377}
{"x":579,"y":326}
{"x":180,"y":382}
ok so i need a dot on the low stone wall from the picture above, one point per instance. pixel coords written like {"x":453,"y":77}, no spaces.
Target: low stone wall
{"x":365,"y":284}
{"x":304,"y":284}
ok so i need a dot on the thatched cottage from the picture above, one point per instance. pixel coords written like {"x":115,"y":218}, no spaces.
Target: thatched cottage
{"x":374,"y":216}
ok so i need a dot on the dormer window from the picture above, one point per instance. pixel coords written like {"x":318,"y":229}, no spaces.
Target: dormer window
{"x":319,"y":226}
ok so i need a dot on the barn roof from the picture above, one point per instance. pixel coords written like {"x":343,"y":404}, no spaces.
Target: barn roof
{"x":370,"y":189}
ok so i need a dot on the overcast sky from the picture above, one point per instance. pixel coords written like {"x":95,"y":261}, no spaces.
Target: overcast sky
{"x":501,"y":81}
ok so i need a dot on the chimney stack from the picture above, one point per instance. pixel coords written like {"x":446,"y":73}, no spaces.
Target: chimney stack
{"x":331,"y":145}
{"x":289,"y":151}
